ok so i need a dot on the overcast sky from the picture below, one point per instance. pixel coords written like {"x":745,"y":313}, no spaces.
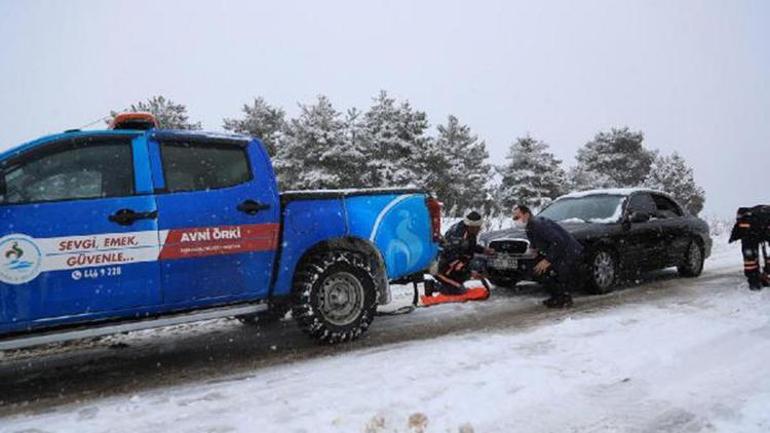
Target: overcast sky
{"x":692,"y":75}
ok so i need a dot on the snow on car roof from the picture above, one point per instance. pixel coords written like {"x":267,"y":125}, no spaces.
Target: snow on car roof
{"x":608,"y":191}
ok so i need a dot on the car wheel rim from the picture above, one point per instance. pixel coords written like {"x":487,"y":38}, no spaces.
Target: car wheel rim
{"x":695,"y":258}
{"x":604,"y":270}
{"x":341,"y":298}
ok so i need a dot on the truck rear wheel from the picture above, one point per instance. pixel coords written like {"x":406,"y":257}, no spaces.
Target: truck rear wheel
{"x":336,"y":296}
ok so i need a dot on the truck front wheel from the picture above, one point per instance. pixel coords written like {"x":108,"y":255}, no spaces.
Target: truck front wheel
{"x":336,"y":296}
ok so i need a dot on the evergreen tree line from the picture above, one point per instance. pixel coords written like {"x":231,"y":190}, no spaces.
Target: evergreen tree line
{"x":390,"y":145}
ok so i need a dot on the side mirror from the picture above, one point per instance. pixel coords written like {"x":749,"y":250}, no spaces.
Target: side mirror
{"x":639,"y":217}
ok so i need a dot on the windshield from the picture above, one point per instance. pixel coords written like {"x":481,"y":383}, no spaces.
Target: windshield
{"x":593,"y":208}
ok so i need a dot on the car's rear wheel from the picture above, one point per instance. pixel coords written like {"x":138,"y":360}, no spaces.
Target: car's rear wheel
{"x":602,"y":271}
{"x":693,"y":261}
{"x":336,"y":296}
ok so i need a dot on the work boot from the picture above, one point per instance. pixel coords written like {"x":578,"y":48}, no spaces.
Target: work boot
{"x":430,"y":287}
{"x":563,"y":300}
{"x":764,"y":280}
{"x":755,"y":283}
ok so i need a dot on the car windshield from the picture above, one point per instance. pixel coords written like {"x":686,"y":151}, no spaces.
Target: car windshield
{"x":593,"y":208}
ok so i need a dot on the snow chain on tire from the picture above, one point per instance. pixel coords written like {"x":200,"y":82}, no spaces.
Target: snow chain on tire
{"x":343,"y":280}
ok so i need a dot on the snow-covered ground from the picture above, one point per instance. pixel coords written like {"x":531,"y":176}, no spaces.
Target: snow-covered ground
{"x":694,"y":360}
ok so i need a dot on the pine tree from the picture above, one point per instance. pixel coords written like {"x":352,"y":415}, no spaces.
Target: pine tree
{"x":168,"y":114}
{"x":615,"y":159}
{"x":355,"y":147}
{"x":533,"y":175}
{"x":580,"y":179}
{"x":672,"y":175}
{"x":316,"y":154}
{"x":260,"y":120}
{"x":395,"y":137}
{"x":457,"y":162}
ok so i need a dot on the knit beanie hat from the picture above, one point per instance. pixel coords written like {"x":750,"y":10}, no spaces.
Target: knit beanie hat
{"x":473,"y":219}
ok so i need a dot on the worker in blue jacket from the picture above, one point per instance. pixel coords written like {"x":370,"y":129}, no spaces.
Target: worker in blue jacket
{"x":558,"y":265}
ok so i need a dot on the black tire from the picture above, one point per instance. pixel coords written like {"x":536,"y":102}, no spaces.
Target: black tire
{"x":336,"y":295}
{"x":601,"y":271}
{"x":274,"y":313}
{"x":693,"y":261}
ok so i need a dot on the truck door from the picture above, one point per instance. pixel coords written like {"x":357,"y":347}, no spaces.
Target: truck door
{"x":218,"y":220}
{"x":78,"y":234}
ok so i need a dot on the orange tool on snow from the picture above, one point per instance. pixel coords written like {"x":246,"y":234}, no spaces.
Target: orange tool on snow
{"x":479,"y":293}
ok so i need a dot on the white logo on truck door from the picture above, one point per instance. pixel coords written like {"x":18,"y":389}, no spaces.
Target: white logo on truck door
{"x":20,"y":259}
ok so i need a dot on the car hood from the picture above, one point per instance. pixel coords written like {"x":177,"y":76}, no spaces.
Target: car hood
{"x":579,"y":230}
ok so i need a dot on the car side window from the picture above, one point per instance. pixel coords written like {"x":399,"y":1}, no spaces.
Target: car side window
{"x":642,"y":202}
{"x":69,"y":170}
{"x":196,"y":166}
{"x":666,"y":208}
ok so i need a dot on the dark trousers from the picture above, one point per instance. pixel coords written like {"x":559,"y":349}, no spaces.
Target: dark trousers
{"x":560,"y":277}
{"x":751,"y":262}
{"x":452,"y":274}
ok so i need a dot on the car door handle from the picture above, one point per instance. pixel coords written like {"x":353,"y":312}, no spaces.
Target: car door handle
{"x":126,"y":217}
{"x":251,"y":207}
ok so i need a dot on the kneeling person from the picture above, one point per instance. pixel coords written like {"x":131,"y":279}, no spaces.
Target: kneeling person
{"x":455,"y":261}
{"x":560,"y":253}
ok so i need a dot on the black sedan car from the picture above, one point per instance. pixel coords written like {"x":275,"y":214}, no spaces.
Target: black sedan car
{"x":623,"y":231}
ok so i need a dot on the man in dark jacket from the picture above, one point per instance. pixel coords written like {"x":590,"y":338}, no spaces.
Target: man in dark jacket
{"x":457,"y":251}
{"x":559,"y":255}
{"x":752,"y":227}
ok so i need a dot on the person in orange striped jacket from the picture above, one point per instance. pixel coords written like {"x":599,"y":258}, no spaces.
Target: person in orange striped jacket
{"x":752,"y":227}
{"x":457,"y":251}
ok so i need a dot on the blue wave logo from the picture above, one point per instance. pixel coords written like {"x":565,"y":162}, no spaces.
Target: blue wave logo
{"x":19,"y":264}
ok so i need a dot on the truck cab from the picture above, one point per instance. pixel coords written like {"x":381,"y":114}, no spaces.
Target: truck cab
{"x":108,"y":228}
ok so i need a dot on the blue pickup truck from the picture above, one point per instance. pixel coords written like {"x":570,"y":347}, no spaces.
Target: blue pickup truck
{"x":125,"y":229}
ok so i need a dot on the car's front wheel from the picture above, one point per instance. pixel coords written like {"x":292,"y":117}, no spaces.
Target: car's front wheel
{"x":336,"y":296}
{"x":692,"y":266}
{"x":602,"y":271}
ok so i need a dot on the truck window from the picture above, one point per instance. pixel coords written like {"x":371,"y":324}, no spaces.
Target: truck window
{"x":201,"y":166}
{"x":69,"y":171}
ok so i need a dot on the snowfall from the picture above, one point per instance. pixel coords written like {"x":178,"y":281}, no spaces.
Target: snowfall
{"x":660,"y":355}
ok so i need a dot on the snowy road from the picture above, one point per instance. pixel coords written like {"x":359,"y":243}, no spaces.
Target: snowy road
{"x":666,"y":355}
